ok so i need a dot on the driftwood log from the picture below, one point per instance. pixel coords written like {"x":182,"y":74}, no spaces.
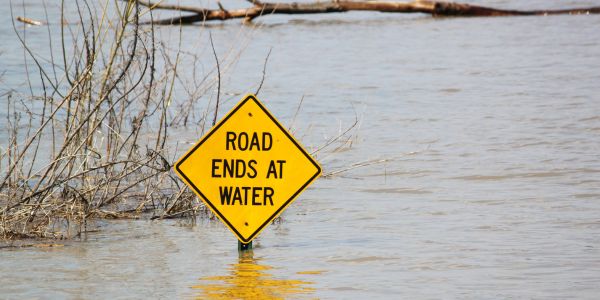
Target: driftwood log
{"x":435,"y":8}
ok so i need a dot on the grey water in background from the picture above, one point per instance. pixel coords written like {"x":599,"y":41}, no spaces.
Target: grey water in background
{"x":490,"y":128}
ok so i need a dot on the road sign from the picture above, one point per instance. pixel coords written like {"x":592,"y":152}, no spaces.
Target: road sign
{"x":248,"y":169}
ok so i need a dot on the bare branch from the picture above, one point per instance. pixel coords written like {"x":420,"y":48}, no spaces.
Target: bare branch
{"x":29,"y":21}
{"x":434,"y":8}
{"x":160,"y":5}
{"x":218,"y":79}
{"x":264,"y":73}
{"x":221,"y":6}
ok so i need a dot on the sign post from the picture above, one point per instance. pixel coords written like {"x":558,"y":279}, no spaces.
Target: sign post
{"x":247,"y":169}
{"x":244,"y":247}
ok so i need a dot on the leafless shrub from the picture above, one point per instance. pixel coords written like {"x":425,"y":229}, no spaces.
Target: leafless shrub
{"x":94,"y":143}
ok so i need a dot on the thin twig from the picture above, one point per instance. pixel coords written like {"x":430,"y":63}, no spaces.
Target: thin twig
{"x":218,"y":79}
{"x":262,"y":80}
{"x":296,"y":113}
{"x":355,"y":166}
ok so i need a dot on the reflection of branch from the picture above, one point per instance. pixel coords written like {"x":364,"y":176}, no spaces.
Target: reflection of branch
{"x":435,"y":8}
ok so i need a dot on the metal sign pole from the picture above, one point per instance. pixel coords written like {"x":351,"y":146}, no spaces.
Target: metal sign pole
{"x":244,"y":247}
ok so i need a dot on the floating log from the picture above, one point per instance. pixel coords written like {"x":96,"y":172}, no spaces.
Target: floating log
{"x":434,"y":8}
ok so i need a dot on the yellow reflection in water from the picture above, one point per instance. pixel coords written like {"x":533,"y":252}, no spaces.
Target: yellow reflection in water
{"x":248,"y":279}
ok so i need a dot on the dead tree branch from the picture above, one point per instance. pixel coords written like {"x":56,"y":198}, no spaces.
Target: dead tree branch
{"x":434,"y":8}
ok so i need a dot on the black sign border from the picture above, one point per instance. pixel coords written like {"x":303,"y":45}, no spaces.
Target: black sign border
{"x":285,"y":205}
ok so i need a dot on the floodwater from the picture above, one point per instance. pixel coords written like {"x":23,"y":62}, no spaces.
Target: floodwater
{"x":486,"y":134}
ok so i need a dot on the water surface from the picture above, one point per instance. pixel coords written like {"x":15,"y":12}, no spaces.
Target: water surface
{"x":490,"y":128}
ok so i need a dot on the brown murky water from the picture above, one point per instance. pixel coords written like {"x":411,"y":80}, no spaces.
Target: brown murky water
{"x":490,"y":128}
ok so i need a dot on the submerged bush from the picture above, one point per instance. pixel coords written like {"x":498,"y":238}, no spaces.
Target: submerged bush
{"x":93,"y":142}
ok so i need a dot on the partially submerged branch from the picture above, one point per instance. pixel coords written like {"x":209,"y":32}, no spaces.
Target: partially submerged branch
{"x":435,"y":8}
{"x":29,"y":21}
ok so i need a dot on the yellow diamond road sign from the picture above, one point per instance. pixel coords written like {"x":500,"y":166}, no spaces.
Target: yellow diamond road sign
{"x":248,"y":169}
